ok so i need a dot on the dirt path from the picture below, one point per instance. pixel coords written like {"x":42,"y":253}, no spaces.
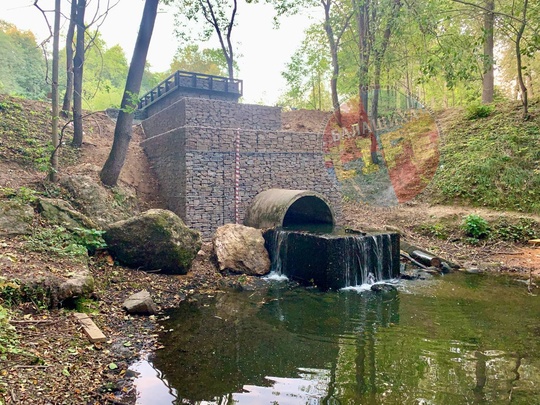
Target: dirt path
{"x":416,"y":220}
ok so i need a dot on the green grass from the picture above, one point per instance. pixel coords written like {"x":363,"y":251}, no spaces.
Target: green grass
{"x":25,"y":133}
{"x":491,"y":161}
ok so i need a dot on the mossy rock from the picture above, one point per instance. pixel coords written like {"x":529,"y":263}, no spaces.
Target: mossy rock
{"x":154,"y":240}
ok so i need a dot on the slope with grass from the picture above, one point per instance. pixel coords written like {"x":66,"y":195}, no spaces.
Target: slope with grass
{"x":490,"y":157}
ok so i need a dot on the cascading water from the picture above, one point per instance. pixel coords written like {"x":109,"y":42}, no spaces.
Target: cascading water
{"x":335,"y":259}
{"x":305,"y":245}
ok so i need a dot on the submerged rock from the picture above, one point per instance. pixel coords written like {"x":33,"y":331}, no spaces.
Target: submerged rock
{"x":154,"y":240}
{"x":240,"y":249}
{"x":384,"y":288}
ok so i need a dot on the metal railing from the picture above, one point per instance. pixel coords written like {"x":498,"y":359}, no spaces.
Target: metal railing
{"x":191,"y":80}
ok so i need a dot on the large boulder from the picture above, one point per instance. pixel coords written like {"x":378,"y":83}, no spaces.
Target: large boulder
{"x":240,"y":249}
{"x":154,"y":240}
{"x":61,"y":212}
{"x":15,"y":218}
{"x":103,"y":205}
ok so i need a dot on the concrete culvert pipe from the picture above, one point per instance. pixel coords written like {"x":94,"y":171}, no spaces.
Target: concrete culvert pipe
{"x":281,"y":208}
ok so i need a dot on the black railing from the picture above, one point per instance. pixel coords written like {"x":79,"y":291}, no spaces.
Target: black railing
{"x":191,"y":80}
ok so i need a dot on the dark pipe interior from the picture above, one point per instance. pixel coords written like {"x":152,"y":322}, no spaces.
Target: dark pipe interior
{"x":308,"y":210}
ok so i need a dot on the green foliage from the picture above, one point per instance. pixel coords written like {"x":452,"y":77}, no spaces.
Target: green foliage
{"x":307,"y":74}
{"x":476,"y":111}
{"x":91,"y":239}
{"x":475,"y":226}
{"x":8,"y":335}
{"x":21,"y":129}
{"x":22,"y":66}
{"x":14,"y":292}
{"x":491,"y":162}
{"x":105,"y":73}
{"x":436,"y":230}
{"x":86,"y":305}
{"x":518,"y":231}
{"x":23,"y":194}
{"x":192,"y":59}
{"x":59,"y":241}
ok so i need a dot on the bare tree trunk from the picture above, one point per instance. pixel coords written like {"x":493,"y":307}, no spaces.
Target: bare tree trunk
{"x":334,"y":48}
{"x":68,"y":95}
{"x":529,"y":84}
{"x":53,"y":173}
{"x":379,"y":55}
{"x":362,"y":19}
{"x":78,"y":65}
{"x":122,"y":132}
{"x":521,"y":82}
{"x":335,"y":64}
{"x":226,"y":43}
{"x":488,"y":80}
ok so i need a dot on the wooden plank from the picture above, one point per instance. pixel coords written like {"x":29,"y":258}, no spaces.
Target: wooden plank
{"x":94,"y":334}
{"x":534,"y":242}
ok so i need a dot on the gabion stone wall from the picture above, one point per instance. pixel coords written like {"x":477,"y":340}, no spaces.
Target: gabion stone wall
{"x":192,"y":146}
{"x":188,"y":92}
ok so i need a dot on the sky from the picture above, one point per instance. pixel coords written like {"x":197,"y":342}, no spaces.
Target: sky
{"x":265,"y":50}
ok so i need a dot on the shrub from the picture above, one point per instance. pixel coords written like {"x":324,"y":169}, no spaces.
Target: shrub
{"x":475,"y":111}
{"x":475,"y":226}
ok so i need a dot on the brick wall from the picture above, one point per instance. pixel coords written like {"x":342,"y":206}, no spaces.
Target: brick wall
{"x":195,"y":162}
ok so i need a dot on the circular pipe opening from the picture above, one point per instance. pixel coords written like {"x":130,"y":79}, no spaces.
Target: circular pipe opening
{"x":284,"y":208}
{"x":308,"y":210}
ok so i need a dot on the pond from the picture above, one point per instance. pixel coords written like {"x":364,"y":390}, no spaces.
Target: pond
{"x":457,"y":339}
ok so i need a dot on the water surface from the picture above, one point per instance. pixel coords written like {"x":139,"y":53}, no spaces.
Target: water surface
{"x":460,"y":339}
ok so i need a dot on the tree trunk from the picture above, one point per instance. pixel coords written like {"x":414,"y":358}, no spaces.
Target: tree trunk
{"x":78,"y":65}
{"x":335,"y":65}
{"x":426,"y":258}
{"x":488,"y":78}
{"x":122,"y":132}
{"x":362,"y":20}
{"x":379,"y":55}
{"x":68,"y":95}
{"x":53,"y":173}
{"x":521,"y":82}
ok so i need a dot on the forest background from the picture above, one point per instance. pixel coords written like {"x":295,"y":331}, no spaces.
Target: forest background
{"x":437,"y":51}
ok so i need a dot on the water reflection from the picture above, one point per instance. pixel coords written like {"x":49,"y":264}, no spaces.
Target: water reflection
{"x":455,"y":342}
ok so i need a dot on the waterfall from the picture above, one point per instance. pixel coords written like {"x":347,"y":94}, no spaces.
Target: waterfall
{"x":333,"y":260}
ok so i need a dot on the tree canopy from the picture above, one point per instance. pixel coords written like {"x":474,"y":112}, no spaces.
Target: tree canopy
{"x":22,"y":67}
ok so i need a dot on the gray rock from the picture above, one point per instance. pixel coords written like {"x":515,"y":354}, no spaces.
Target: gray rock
{"x":103,"y":205}
{"x":15,"y":218}
{"x":240,"y":249}
{"x":384,"y":288}
{"x":79,"y":285}
{"x":119,"y":351}
{"x":140,"y":303}
{"x":154,"y":240}
{"x":62,"y":213}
